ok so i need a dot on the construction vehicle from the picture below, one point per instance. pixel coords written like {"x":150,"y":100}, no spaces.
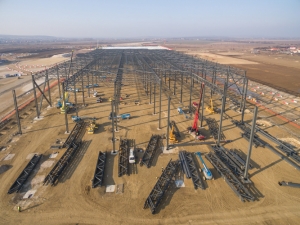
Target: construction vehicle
{"x":99,"y":100}
{"x":211,"y":108}
{"x":180,"y":111}
{"x":207,"y":173}
{"x":76,"y":118}
{"x":64,"y":108}
{"x":92,"y":127}
{"x":193,"y":130}
{"x":95,"y":94}
{"x":172,"y":136}
{"x":122,"y":116}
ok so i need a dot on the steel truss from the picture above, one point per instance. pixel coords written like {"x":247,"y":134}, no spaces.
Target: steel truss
{"x":161,"y":186}
{"x":150,"y":151}
{"x":61,"y":165}
{"x":17,"y":185}
{"x":189,"y":168}
{"x":99,"y":171}
{"x":239,"y":189}
{"x":221,"y":153}
{"x":74,"y":133}
{"x":123,"y":158}
{"x":214,"y":128}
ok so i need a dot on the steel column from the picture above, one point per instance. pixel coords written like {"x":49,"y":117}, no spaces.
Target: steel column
{"x":66,"y":110}
{"x":250,"y":143}
{"x":17,"y":112}
{"x":168,"y":122}
{"x":35,"y":99}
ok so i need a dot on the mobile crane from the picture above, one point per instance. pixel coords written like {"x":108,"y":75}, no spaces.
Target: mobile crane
{"x":194,"y":127}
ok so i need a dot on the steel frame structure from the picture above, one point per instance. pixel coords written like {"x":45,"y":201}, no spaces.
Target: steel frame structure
{"x":17,"y":185}
{"x":123,"y":163}
{"x":161,"y":186}
{"x":99,"y":171}
{"x":150,"y":151}
{"x":239,"y":189}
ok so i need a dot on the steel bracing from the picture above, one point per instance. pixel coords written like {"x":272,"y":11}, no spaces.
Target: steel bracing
{"x":123,"y":163}
{"x":17,"y":185}
{"x":99,"y":171}
{"x":239,"y":189}
{"x":161,"y":186}
{"x":150,"y":151}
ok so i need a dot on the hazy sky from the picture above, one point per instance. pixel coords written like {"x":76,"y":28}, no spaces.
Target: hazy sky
{"x":151,"y":18}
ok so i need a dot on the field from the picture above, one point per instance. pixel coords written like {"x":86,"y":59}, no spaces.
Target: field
{"x":74,"y":201}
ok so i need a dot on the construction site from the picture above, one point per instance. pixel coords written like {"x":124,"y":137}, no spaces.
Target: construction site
{"x":145,"y":135}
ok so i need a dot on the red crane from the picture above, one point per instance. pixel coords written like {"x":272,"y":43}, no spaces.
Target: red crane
{"x":194,"y":127}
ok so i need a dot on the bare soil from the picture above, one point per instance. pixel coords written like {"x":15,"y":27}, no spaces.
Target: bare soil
{"x":73,"y":201}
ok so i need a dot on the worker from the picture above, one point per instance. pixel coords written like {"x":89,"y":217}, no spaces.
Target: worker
{"x":19,"y":208}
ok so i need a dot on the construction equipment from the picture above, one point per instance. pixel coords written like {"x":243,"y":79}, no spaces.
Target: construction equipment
{"x":91,"y":127}
{"x":76,"y":118}
{"x":180,"y":111}
{"x":205,"y":170}
{"x":194,"y":128}
{"x":99,"y":100}
{"x":211,"y":108}
{"x":172,"y":136}
{"x":64,"y":108}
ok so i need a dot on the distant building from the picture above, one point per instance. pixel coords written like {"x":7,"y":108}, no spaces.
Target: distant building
{"x":255,"y":51}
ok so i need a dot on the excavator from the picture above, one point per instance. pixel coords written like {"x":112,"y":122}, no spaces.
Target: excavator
{"x":64,"y":108}
{"x":172,"y":136}
{"x":91,"y":127}
{"x":194,"y":128}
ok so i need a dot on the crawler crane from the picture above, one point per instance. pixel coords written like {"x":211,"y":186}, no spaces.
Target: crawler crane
{"x":194,"y":128}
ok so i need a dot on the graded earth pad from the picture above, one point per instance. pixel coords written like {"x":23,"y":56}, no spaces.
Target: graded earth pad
{"x":73,"y":201}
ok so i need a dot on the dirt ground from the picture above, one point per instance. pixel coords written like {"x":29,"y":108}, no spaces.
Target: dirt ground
{"x":73,"y":201}
{"x":277,"y":70}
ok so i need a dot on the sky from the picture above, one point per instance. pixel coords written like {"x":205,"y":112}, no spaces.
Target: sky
{"x":151,"y":18}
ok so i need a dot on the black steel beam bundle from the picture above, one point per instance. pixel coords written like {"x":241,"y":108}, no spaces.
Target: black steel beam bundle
{"x":150,"y":151}
{"x":188,"y":166}
{"x":17,"y":185}
{"x":246,"y":134}
{"x":236,"y":157}
{"x":184,"y":164}
{"x":221,"y":153}
{"x":214,"y":128}
{"x":291,"y":184}
{"x":239,"y":189}
{"x":74,"y":133}
{"x":161,"y":186}
{"x":99,"y":171}
{"x":61,"y":165}
{"x":123,"y":157}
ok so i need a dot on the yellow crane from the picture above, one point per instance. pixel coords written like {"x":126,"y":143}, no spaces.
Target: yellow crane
{"x":64,"y":108}
{"x":172,"y":136}
{"x":91,"y":127}
{"x":210,"y":108}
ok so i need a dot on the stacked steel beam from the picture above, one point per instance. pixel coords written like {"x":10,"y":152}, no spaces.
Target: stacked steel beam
{"x":226,"y":159}
{"x":123,"y":157}
{"x":236,"y":157}
{"x":17,"y":185}
{"x":150,"y":151}
{"x":246,"y":134}
{"x":239,"y":189}
{"x":214,"y":128}
{"x":99,"y":171}
{"x":61,"y":165}
{"x":161,"y":186}
{"x":73,"y":144}
{"x":189,"y":168}
{"x":74,"y":133}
